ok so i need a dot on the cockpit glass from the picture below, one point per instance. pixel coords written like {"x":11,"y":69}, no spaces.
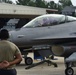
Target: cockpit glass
{"x":48,"y":20}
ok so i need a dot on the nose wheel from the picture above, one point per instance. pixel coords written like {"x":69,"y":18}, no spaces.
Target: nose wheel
{"x":69,"y":71}
{"x":28,"y":61}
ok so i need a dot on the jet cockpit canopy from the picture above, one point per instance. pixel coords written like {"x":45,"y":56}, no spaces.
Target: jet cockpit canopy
{"x":49,"y":20}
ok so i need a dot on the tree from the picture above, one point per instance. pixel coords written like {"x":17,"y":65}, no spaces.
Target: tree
{"x":9,"y":2}
{"x":65,"y":3}
{"x":23,"y":2}
{"x":31,"y":3}
{"x":40,"y":3}
{"x":6,"y":1}
{"x":52,"y":5}
{"x":36,"y":3}
{"x":3,"y":0}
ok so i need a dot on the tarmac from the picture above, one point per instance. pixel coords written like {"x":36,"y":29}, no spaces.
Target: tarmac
{"x":43,"y":69}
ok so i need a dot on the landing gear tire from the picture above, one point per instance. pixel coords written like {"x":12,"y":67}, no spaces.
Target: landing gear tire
{"x":28,"y":61}
{"x":69,"y":71}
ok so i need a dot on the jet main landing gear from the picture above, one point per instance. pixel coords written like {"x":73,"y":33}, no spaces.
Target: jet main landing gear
{"x":69,"y":71}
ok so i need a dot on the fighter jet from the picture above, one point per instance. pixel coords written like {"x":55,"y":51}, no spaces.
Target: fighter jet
{"x":56,"y":30}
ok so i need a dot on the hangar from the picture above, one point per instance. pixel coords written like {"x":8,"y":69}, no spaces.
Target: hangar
{"x":20,"y":13}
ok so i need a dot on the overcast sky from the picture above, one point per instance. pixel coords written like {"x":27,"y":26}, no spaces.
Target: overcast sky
{"x":56,"y":1}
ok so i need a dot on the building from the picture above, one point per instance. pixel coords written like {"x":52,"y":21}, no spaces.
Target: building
{"x":10,"y":25}
{"x":69,"y":10}
{"x":24,"y":13}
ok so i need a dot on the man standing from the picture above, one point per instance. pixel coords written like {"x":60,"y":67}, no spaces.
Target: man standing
{"x":10,"y":55}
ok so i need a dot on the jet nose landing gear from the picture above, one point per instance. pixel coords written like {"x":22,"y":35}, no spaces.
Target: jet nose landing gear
{"x":69,"y":71}
{"x":28,"y":61}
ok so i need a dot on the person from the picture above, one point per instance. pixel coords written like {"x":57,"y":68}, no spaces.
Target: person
{"x":10,"y":54}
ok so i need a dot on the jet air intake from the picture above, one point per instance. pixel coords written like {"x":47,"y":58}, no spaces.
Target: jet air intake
{"x":63,"y":51}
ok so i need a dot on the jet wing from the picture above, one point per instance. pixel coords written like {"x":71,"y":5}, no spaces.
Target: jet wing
{"x":71,"y":58}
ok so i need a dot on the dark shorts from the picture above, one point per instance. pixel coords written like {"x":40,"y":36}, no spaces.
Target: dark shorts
{"x":8,"y":72}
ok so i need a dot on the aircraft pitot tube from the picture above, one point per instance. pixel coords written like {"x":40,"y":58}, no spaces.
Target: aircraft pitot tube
{"x":63,"y":51}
